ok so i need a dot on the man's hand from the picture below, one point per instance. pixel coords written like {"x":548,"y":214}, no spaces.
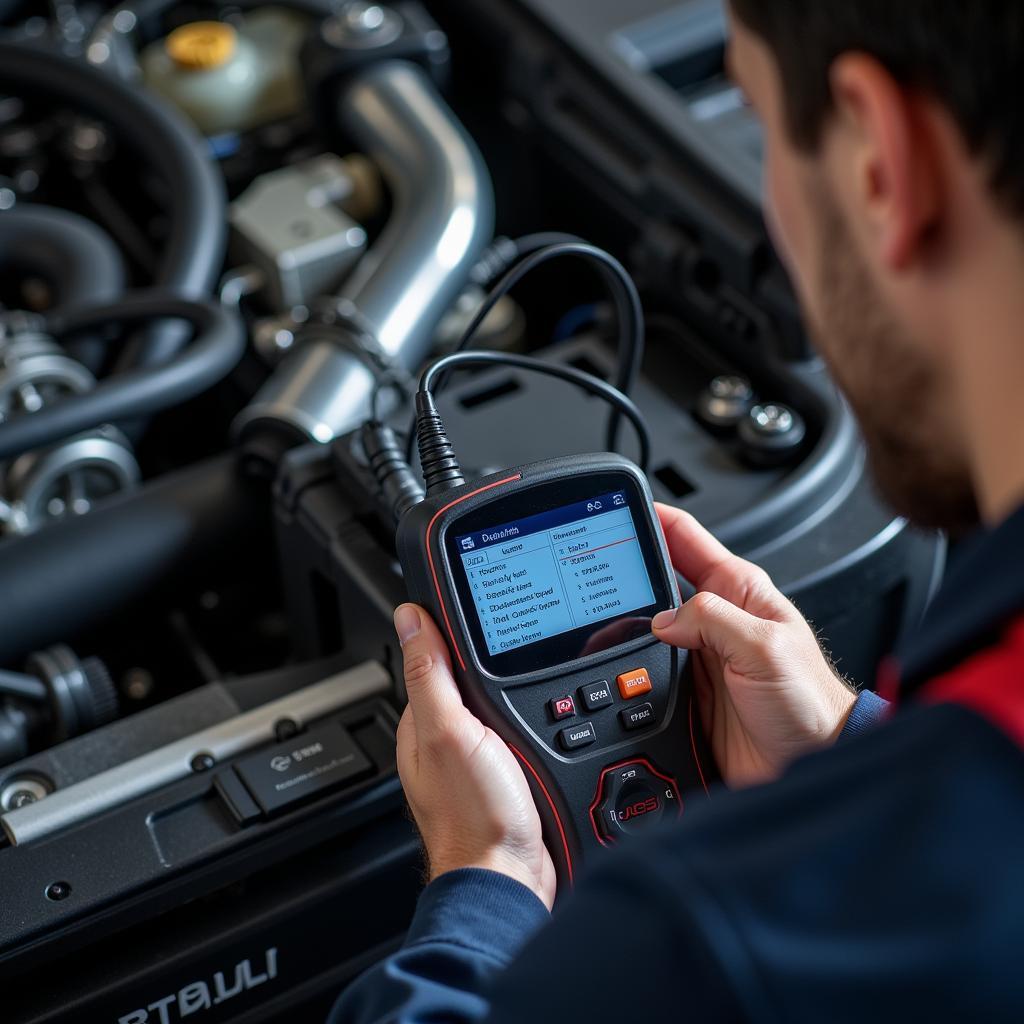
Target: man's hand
{"x":467,"y":793}
{"x":767,"y":692}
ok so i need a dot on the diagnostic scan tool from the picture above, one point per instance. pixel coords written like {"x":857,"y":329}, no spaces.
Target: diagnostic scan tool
{"x":544,"y":581}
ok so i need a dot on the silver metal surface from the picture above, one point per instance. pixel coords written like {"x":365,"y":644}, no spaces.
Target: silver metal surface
{"x":93,"y":796}
{"x":236,"y":284}
{"x":22,"y":791}
{"x":731,"y":387}
{"x":443,"y":217}
{"x":772,"y":419}
{"x":363,"y":26}
{"x":289,"y":224}
{"x":725,"y":401}
{"x":321,"y":391}
{"x":68,"y":479}
{"x":34,"y":369}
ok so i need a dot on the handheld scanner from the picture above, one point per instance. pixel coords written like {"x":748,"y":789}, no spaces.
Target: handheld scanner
{"x":544,"y":580}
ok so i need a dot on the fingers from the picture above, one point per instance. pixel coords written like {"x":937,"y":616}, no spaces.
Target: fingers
{"x":434,"y":699}
{"x":709,"y":622}
{"x":694,"y":552}
{"x":710,"y":565}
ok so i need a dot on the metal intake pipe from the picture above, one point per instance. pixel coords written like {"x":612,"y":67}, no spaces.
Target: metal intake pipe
{"x":443,"y":217}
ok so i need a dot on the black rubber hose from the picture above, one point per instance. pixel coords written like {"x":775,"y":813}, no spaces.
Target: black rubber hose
{"x":194,"y":251}
{"x":217,"y":348}
{"x":75,"y":257}
{"x":80,"y":571}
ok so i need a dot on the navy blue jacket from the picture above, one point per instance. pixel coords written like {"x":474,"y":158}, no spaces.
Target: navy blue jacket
{"x":880,"y":880}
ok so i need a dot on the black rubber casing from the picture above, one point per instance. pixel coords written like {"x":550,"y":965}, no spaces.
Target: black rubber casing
{"x":572,"y":788}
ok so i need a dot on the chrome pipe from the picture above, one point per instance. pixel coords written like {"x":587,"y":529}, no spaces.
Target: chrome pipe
{"x":442,"y":219}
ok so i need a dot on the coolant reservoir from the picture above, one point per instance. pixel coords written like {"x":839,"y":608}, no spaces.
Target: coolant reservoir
{"x":230,"y":77}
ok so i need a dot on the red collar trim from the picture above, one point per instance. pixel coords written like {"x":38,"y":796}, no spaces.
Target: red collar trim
{"x":990,"y":683}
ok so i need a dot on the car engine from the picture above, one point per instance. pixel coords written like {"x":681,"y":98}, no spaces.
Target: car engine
{"x":232,"y":232}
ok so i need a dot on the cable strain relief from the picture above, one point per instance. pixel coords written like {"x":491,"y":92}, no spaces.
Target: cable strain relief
{"x":440,"y":467}
{"x":384,"y":455}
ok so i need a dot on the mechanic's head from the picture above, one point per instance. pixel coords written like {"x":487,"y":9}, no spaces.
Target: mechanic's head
{"x":895,"y":191}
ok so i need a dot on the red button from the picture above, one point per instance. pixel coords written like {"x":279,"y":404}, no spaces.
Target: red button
{"x":563,"y":707}
{"x":634,"y":684}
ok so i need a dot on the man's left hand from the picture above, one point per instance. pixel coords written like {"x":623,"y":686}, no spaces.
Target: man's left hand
{"x":466,"y":790}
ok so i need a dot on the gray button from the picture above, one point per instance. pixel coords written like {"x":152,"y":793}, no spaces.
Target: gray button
{"x":577,"y":736}
{"x":596,"y":695}
{"x":638,"y":717}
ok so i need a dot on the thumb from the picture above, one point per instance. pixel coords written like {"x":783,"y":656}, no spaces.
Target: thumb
{"x":709,"y":622}
{"x":433,"y":696}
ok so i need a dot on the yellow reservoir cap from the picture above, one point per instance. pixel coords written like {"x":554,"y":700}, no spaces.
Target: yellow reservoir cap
{"x":201,"y":45}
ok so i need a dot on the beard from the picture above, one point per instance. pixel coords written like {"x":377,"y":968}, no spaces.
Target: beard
{"x":894,"y":389}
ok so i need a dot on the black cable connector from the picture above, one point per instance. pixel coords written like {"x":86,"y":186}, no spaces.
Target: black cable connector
{"x":399,"y":485}
{"x":438,"y":462}
{"x":440,"y":468}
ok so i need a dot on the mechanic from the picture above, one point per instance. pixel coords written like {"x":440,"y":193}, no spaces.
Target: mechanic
{"x":848,"y":872}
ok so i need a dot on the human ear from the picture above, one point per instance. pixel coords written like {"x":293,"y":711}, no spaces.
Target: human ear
{"x":890,"y":175}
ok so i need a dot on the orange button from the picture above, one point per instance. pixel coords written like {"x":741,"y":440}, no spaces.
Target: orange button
{"x":634,"y":684}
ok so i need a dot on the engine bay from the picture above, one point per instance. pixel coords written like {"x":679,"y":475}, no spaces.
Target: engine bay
{"x":230,"y":234}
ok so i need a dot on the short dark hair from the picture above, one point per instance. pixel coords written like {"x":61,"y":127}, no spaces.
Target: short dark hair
{"x":967,"y":54}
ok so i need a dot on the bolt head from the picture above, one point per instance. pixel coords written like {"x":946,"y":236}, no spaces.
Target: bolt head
{"x":285,"y":729}
{"x":58,"y":891}
{"x":362,"y":17}
{"x":732,"y":388}
{"x":362,"y":26}
{"x":124,"y":22}
{"x":772,"y":419}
